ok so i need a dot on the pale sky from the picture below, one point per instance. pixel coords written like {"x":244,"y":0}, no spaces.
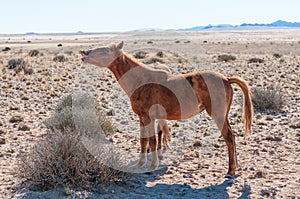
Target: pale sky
{"x":57,"y":16}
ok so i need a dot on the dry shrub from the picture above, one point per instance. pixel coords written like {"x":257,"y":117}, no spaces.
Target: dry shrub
{"x":78,"y":111}
{"x":160,"y":54}
{"x":277,"y":55}
{"x":75,"y":152}
{"x":256,"y":60}
{"x":61,"y":159}
{"x":19,"y":65}
{"x":6,"y":49}
{"x":33,"y":53}
{"x":140,"y":54}
{"x":267,"y":99}
{"x":226,"y":58}
{"x":153,"y":60}
{"x":60,"y":58}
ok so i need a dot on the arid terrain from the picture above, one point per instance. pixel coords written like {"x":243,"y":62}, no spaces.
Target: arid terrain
{"x":195,"y":164}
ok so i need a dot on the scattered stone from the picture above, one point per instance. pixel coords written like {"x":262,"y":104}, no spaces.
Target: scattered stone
{"x":23,"y":127}
{"x":14,"y":108}
{"x":273,"y":138}
{"x":16,"y":119}
{"x":269,"y":118}
{"x":197,"y":143}
{"x":2,"y":141}
{"x":175,"y":124}
{"x":111,"y":112}
{"x":261,"y":173}
{"x":2,"y":132}
{"x":28,"y":71}
{"x":295,"y":126}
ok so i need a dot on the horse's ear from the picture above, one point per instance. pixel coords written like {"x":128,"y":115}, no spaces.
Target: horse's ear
{"x":120,"y":45}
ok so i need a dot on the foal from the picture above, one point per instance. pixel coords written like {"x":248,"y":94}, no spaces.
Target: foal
{"x":157,"y":95}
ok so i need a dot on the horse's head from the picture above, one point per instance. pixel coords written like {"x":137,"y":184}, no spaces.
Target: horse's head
{"x":102,"y":56}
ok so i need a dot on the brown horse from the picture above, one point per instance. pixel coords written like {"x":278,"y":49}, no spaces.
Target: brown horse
{"x":157,"y":95}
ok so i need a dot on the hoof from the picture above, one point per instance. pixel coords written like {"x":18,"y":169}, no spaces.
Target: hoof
{"x":230,"y":174}
{"x":159,"y":153}
{"x":153,"y":167}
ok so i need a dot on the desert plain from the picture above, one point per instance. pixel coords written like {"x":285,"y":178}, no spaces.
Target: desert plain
{"x":195,"y":163}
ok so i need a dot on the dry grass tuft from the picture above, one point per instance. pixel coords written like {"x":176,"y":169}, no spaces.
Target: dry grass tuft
{"x":61,"y":159}
{"x":75,"y":153}
{"x":267,"y":99}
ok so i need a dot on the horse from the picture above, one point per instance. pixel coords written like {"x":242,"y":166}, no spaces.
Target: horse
{"x":156,"y":95}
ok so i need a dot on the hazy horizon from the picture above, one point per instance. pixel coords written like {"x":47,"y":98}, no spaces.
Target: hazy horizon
{"x":55,"y":16}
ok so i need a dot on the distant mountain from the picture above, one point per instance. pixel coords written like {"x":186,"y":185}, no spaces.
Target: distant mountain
{"x":276,"y":24}
{"x":221,"y":26}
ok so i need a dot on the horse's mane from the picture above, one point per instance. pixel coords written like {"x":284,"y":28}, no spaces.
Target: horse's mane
{"x":136,"y":62}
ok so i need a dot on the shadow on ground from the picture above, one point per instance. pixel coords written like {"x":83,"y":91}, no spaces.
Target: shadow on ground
{"x":218,"y":191}
{"x":137,"y":188}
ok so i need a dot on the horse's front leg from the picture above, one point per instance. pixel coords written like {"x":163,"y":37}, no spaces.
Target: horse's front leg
{"x":148,"y":135}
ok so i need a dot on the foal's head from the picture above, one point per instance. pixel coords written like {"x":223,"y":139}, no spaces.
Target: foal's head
{"x":102,"y":56}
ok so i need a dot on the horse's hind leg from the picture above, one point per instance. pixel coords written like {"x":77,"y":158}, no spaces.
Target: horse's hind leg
{"x":229,"y":138}
{"x":220,"y":116}
{"x":162,"y":129}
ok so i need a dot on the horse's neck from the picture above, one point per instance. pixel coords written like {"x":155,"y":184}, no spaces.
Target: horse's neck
{"x":127,"y":72}
{"x":122,"y":65}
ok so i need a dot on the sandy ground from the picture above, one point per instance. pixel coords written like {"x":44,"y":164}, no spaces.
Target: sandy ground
{"x":269,"y":159}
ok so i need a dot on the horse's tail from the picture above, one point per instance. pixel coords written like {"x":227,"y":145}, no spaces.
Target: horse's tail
{"x":248,"y":107}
